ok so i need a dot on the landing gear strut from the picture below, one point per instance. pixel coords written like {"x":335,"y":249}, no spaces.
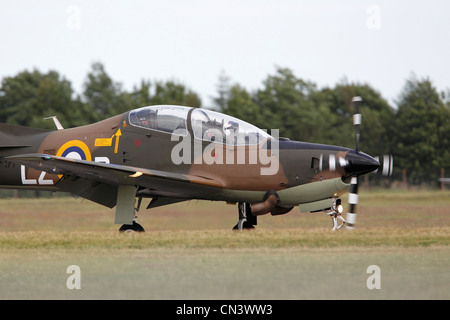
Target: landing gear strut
{"x":132,"y":227}
{"x":246,"y":219}
{"x":335,"y":213}
{"x":136,"y":227}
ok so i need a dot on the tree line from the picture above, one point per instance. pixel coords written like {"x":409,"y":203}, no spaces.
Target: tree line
{"x":416,"y":131}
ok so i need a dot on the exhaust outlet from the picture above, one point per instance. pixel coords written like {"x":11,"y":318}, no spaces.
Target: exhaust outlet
{"x":270,"y":201}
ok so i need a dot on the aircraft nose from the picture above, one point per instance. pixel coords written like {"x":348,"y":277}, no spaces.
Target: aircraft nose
{"x":360,"y":163}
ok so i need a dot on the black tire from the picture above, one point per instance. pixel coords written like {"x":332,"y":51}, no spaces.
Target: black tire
{"x":136,"y":227}
{"x":246,"y":226}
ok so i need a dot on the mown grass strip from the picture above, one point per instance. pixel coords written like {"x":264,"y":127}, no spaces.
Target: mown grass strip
{"x":279,"y":238}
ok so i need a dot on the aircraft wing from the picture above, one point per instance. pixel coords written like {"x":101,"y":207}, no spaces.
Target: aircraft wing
{"x":99,"y":182}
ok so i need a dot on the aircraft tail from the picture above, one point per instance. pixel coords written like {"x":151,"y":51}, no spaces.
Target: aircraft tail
{"x":14,"y":130}
{"x":12,"y":136}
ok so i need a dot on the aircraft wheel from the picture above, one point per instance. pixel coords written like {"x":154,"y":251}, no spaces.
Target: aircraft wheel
{"x":245,"y":225}
{"x":135,"y":227}
{"x":246,"y":219}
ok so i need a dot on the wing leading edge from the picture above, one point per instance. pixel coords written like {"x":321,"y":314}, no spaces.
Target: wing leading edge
{"x":100,"y":182}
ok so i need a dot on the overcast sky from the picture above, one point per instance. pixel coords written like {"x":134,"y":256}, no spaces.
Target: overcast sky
{"x":376,"y":42}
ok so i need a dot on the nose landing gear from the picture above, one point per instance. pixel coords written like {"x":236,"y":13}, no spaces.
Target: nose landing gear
{"x":335,"y":213}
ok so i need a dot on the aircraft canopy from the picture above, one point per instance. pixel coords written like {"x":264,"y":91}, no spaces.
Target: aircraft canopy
{"x":205,"y":124}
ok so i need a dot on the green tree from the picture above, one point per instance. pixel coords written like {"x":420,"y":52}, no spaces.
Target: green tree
{"x":103,"y":95}
{"x":422,"y":134}
{"x":171,"y":92}
{"x":27,"y":98}
{"x":141,"y":96}
{"x":240,"y":104}
{"x":223,"y":91}
{"x":377,"y":117}
{"x":286,"y":100}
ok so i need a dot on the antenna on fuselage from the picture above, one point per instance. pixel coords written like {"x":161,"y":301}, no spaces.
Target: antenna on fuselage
{"x":56,"y":121}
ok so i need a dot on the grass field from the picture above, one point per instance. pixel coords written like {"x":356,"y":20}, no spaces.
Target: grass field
{"x":189,"y":251}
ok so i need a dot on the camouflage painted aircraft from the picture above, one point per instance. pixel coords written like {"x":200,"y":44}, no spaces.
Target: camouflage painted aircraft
{"x":174,"y":153}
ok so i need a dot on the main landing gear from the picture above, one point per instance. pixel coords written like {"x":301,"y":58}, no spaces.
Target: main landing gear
{"x":134,"y":227}
{"x":246,"y":219}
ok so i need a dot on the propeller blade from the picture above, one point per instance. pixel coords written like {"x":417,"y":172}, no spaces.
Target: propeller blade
{"x":353,"y":194}
{"x":352,"y":201}
{"x":360,"y":163}
{"x":356,"y":101}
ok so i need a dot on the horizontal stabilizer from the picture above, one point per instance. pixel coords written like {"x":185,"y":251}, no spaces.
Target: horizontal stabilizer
{"x":12,"y":136}
{"x":12,"y":144}
{"x":18,"y":131}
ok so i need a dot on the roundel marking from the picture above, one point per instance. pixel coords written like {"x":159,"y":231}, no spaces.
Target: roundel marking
{"x":75,"y":149}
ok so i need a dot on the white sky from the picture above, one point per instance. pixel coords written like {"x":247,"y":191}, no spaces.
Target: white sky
{"x":377,"y":42}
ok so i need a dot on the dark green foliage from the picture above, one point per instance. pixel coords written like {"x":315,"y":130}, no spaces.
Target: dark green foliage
{"x":30,"y":96}
{"x":422,"y":131}
{"x":416,"y":132}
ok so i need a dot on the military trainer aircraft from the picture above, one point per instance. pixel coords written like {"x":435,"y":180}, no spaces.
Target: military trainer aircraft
{"x":176,"y":153}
